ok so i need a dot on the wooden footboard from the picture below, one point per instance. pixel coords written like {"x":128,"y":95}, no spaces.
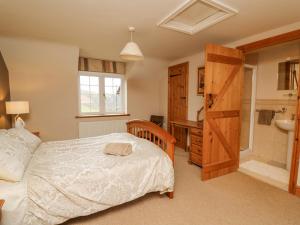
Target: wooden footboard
{"x":155,"y":134}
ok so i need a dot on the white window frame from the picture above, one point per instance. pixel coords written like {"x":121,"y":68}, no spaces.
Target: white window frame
{"x":101,"y":77}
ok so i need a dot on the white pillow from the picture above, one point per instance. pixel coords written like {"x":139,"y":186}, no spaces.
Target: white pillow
{"x":31,"y":140}
{"x":14,"y":157}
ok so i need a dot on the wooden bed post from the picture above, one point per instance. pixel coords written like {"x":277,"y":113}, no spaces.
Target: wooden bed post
{"x":171,"y":151}
{"x":155,"y":134}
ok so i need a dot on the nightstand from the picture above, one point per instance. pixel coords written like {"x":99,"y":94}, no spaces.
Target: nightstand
{"x":1,"y":204}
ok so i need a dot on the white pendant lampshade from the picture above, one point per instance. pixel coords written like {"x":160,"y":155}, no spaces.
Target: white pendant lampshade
{"x":131,"y":51}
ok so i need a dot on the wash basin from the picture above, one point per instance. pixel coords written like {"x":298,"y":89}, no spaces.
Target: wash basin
{"x":288,"y":125}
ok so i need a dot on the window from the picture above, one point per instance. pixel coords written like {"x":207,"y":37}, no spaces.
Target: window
{"x":101,"y":93}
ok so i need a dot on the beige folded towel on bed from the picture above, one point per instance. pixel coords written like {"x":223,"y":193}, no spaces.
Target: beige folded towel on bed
{"x":121,"y":149}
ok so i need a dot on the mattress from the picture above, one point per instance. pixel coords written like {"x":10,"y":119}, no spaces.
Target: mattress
{"x":67,"y":179}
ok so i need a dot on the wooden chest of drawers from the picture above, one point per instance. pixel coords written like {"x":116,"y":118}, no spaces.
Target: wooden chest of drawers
{"x":196,"y":143}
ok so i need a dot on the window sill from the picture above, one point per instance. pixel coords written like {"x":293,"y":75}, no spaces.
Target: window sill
{"x":101,"y":115}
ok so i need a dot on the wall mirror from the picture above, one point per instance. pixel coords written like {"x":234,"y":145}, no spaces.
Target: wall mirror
{"x":288,"y":72}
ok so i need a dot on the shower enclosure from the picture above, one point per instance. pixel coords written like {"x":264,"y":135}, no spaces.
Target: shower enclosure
{"x":248,"y":109}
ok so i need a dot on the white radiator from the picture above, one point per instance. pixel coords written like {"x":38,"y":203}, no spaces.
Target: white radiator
{"x":97,"y":128}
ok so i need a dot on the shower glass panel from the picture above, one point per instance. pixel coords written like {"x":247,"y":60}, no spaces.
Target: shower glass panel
{"x":246,"y":109}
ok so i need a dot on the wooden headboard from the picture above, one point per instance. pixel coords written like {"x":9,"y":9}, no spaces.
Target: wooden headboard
{"x":5,"y":120}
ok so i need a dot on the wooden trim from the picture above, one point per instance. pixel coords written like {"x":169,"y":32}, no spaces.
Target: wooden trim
{"x":294,"y":167}
{"x":296,"y":152}
{"x":222,"y":114}
{"x":227,"y":83}
{"x":275,"y":40}
{"x":217,"y":166}
{"x":295,"y":159}
{"x":215,"y":58}
{"x":95,"y":116}
{"x":155,"y":134}
{"x":221,"y":137}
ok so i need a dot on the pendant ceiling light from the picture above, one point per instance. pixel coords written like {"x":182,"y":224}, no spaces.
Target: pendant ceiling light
{"x":131,"y":51}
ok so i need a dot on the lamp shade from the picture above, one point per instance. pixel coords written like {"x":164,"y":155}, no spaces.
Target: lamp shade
{"x":132,"y":52}
{"x":17,"y":107}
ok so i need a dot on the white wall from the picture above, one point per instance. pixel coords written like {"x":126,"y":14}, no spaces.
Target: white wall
{"x":143,"y":82}
{"x":46,"y":75}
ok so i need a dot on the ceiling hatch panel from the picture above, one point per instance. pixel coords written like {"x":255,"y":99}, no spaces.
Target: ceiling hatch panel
{"x":195,"y":15}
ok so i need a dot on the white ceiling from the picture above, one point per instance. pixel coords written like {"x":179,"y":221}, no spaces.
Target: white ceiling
{"x":99,"y":27}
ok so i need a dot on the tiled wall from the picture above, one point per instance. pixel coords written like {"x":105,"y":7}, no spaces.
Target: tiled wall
{"x":270,"y":142}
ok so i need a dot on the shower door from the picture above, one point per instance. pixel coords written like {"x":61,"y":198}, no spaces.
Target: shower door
{"x":248,"y":108}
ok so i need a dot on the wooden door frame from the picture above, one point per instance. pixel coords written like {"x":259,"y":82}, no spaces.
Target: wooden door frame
{"x":186,"y":64}
{"x":268,"y":42}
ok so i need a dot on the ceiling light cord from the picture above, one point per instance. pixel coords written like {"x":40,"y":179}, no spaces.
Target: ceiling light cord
{"x":131,"y":30}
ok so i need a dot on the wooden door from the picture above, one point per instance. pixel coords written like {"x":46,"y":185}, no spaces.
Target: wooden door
{"x":223,"y":93}
{"x":178,"y":99}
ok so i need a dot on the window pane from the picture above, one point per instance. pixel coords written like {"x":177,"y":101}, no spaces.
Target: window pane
{"x":89,"y":94}
{"x":85,"y":107}
{"x":94,"y":100}
{"x":108,"y":90}
{"x":90,"y":98}
{"x":117,"y":82}
{"x":108,"y":81}
{"x":84,"y":89}
{"x":94,"y":81}
{"x":84,"y":80}
{"x":94,"y":89}
{"x":85,"y":98}
{"x":113,"y":99}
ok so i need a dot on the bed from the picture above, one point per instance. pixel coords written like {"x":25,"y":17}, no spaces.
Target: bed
{"x":72,"y":178}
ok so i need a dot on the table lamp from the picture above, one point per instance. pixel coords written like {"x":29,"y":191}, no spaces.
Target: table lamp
{"x":17,"y":108}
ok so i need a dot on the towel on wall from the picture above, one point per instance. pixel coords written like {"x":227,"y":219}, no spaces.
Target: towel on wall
{"x":120,"y":149}
{"x":265,"y":116}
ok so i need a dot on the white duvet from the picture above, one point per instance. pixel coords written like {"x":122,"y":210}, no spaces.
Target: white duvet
{"x":67,"y":179}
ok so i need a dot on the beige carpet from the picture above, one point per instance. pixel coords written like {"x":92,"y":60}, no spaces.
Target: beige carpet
{"x":234,"y":199}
